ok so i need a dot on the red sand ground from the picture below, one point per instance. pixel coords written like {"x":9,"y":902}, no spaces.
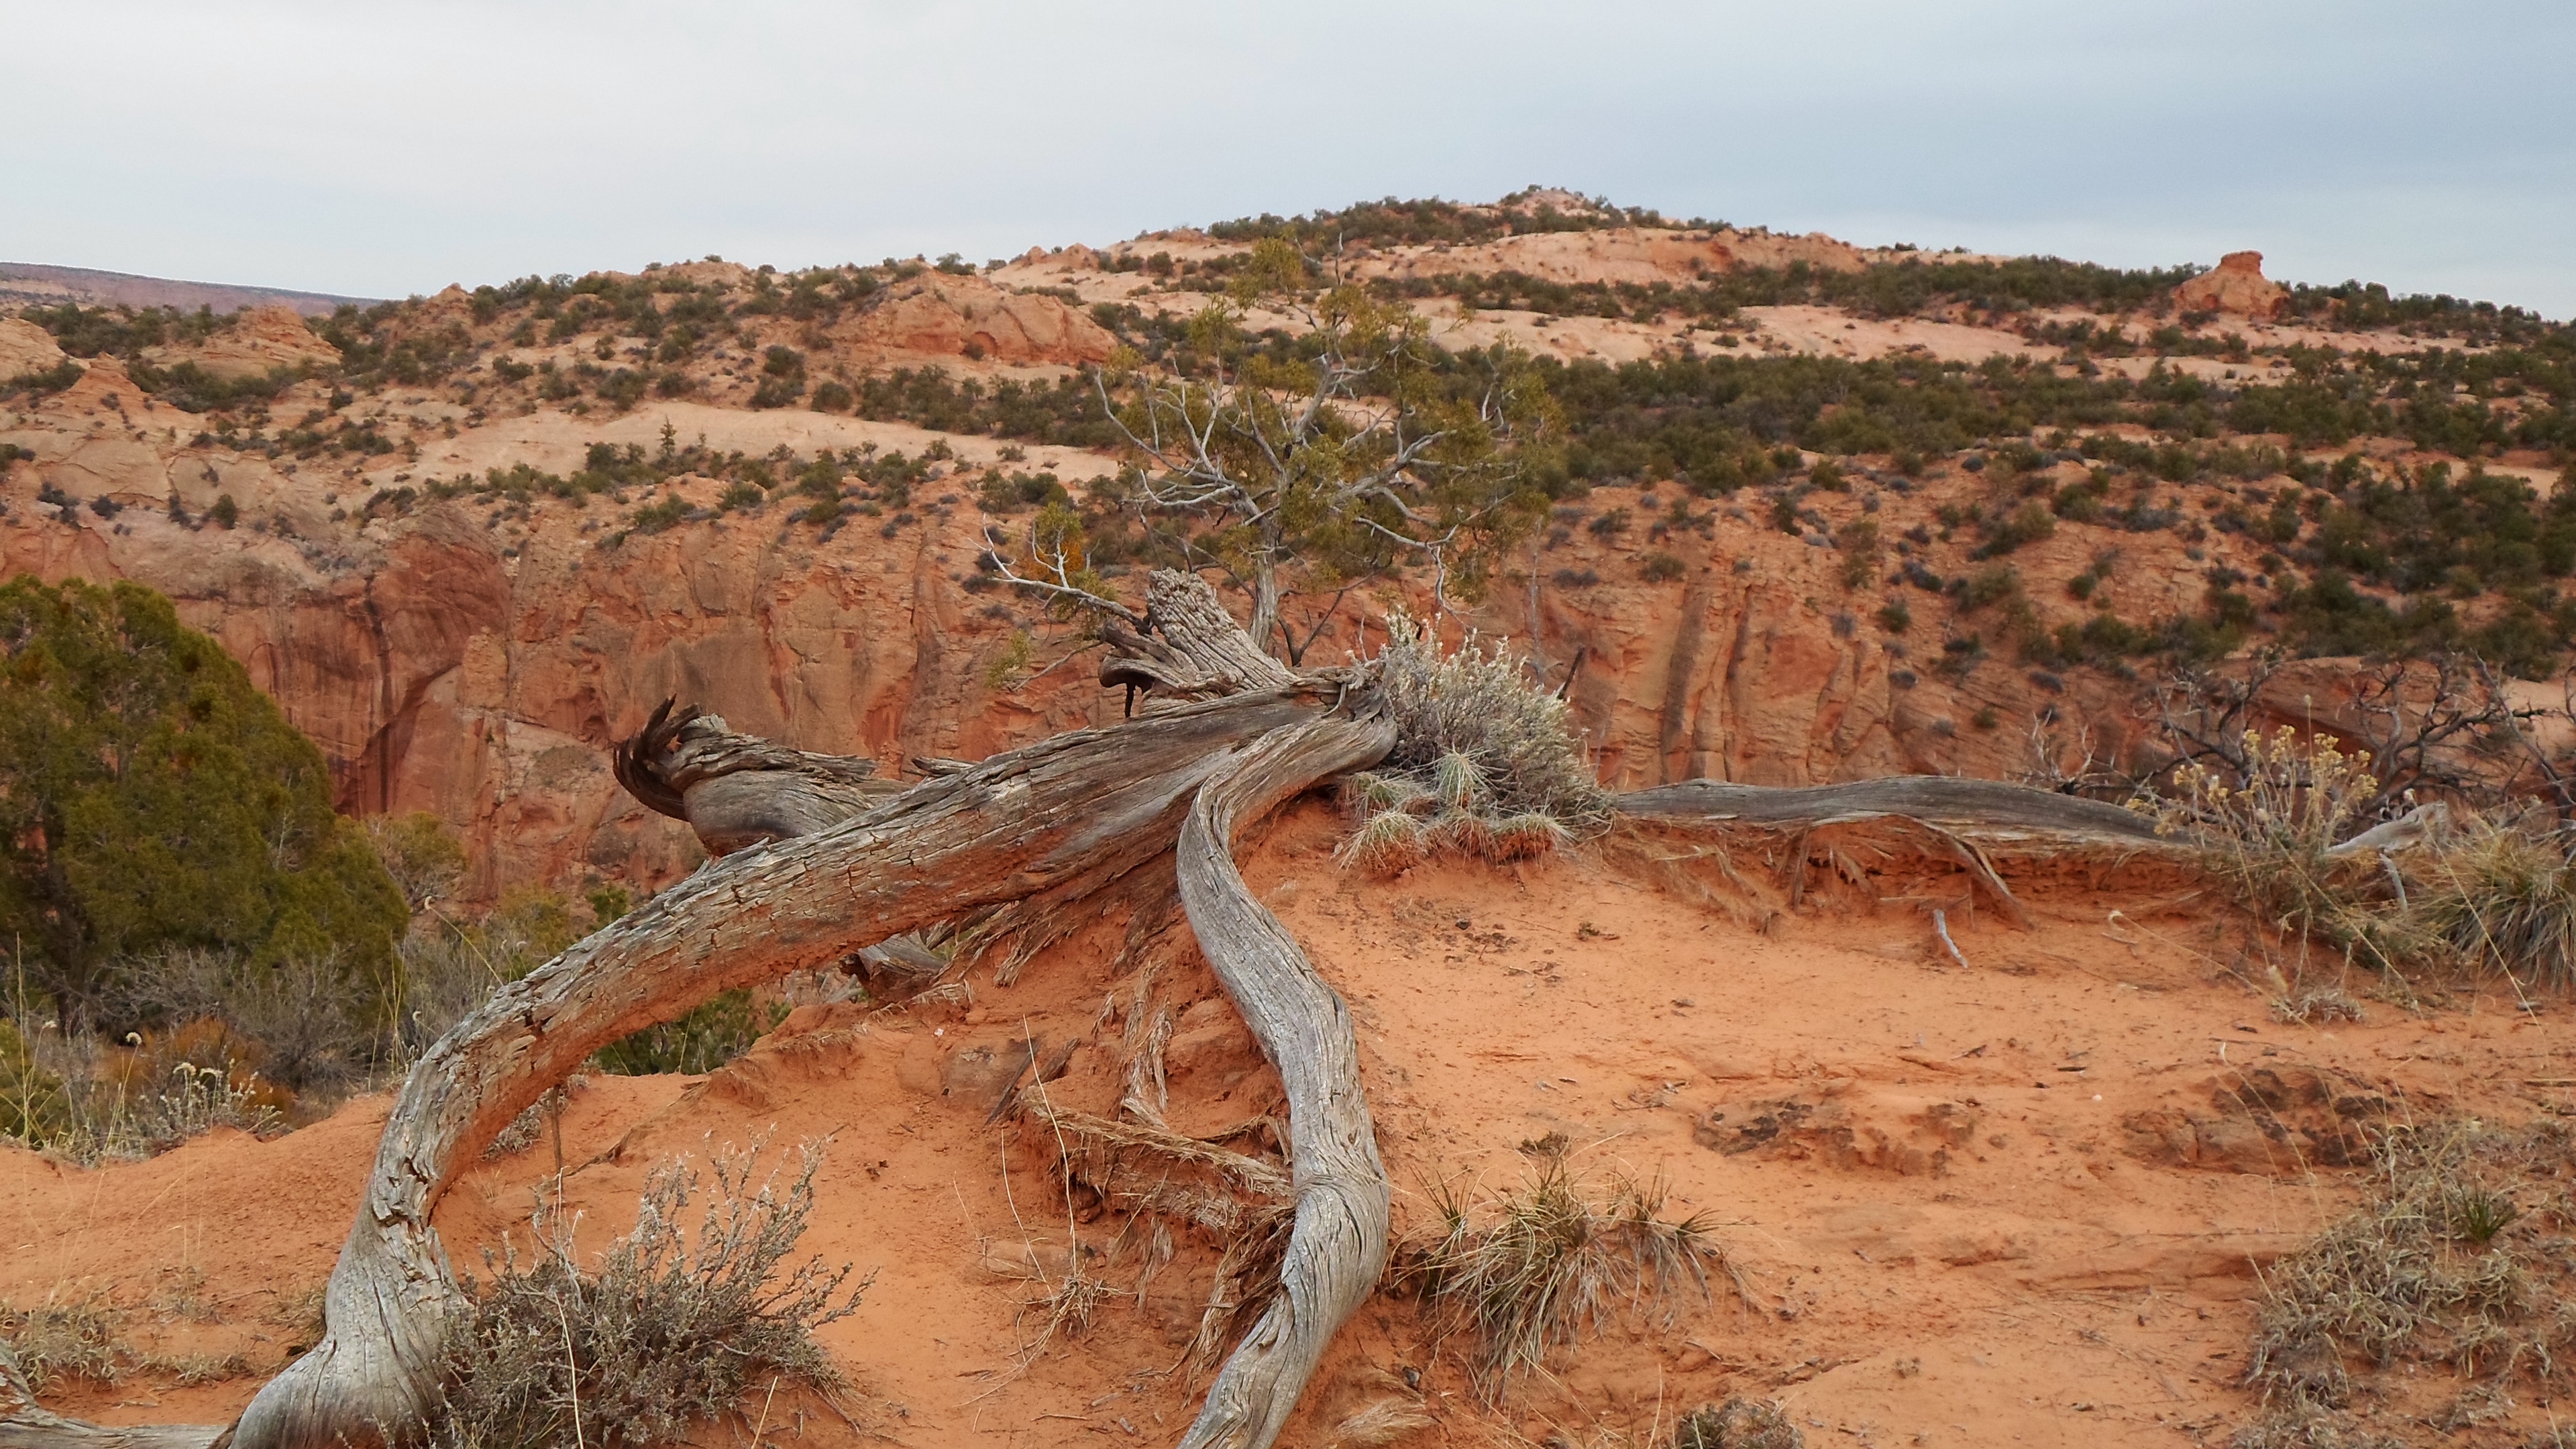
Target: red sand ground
{"x":1986,"y":1230}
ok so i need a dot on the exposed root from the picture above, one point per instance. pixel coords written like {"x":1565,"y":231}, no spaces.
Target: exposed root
{"x":1247,"y":1279}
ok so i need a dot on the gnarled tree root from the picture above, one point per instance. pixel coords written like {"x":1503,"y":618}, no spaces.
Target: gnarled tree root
{"x":1337,"y":1248}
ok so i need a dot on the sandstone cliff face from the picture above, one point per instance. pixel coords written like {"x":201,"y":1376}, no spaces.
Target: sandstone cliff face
{"x":440,"y":668}
{"x":1641,"y":256}
{"x":2237,"y":286}
{"x":437,"y":673}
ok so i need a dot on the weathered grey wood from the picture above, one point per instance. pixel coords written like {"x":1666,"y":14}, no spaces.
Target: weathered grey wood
{"x":25,"y":1426}
{"x":1202,"y":653}
{"x":816,"y":861}
{"x":1936,"y":799}
{"x":1337,"y":1249}
{"x":737,"y":791}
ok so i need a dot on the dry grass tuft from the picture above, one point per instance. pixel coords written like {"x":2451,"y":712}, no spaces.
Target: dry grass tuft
{"x":1486,"y":764}
{"x":670,"y":1331}
{"x":1541,"y":1267}
{"x":2503,"y":899}
{"x":2488,"y":896}
{"x":1065,"y":1309}
{"x":58,"y":1340}
{"x":76,"y":1098}
{"x":1737,"y":1424}
{"x":2455,"y":1261}
{"x":1382,"y":1421}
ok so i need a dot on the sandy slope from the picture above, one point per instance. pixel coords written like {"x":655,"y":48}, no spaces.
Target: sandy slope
{"x":1975,"y":1226}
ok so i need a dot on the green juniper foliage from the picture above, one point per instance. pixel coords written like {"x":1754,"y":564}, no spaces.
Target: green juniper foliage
{"x":150,"y":796}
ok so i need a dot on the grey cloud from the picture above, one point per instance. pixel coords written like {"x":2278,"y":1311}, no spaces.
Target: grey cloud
{"x":391,"y":149}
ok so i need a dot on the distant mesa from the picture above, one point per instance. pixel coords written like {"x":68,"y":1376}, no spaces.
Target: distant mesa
{"x":2238,"y":286}
{"x":30,"y":284}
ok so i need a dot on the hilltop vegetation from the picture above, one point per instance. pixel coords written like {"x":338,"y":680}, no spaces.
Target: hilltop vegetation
{"x":2362,"y":472}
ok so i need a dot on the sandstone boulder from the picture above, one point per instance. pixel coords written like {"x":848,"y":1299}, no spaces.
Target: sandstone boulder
{"x":2237,"y":287}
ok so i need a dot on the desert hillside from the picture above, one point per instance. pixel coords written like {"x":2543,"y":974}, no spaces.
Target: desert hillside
{"x":2237,"y":1118}
{"x":1822,"y":511}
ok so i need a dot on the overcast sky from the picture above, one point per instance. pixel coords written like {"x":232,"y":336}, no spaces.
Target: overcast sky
{"x":383,"y":150}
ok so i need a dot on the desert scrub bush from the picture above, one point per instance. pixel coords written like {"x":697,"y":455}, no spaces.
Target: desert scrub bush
{"x":1485,"y":762}
{"x":715,"y":1032}
{"x":419,"y":852}
{"x":1542,"y":1266}
{"x":150,"y":795}
{"x":92,"y":1103}
{"x":670,"y":1331}
{"x":2269,"y":829}
{"x":33,"y":1108}
{"x":2456,"y":1258}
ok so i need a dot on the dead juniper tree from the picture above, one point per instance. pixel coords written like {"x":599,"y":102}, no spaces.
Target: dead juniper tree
{"x":817,"y":859}
{"x":1348,"y":454}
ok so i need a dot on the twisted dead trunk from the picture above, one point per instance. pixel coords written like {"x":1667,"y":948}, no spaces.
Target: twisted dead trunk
{"x":821,"y":859}
{"x":1094,"y":802}
{"x":1337,"y":1248}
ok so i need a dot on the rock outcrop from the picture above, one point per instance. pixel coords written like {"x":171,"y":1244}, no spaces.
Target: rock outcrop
{"x":261,"y":340}
{"x":1637,"y":255}
{"x":25,"y":347}
{"x":953,"y":316}
{"x":2237,"y":287}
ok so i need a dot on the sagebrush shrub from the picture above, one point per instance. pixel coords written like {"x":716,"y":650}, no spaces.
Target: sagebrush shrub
{"x":671,"y":1331}
{"x":1485,"y":762}
{"x":2269,"y":830}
